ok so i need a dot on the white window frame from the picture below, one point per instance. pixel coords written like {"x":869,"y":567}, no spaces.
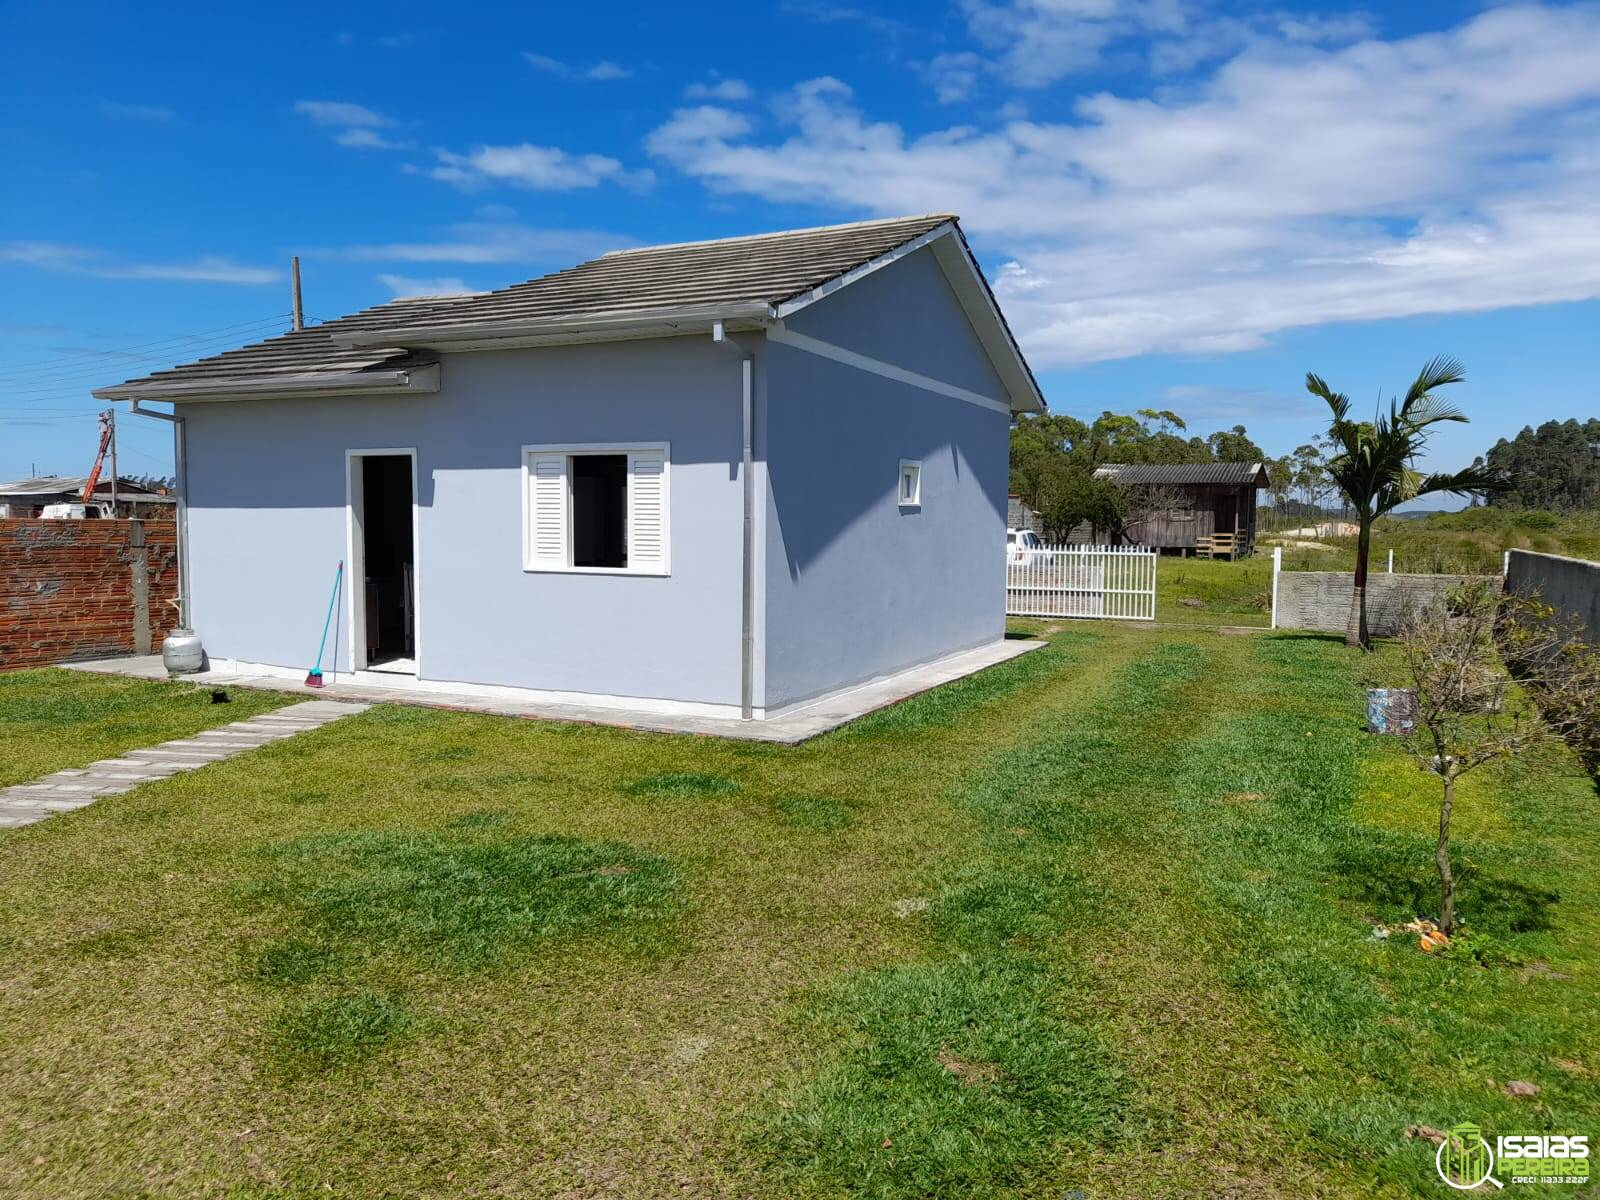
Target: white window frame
{"x":570,"y":450}
{"x":916,"y":480}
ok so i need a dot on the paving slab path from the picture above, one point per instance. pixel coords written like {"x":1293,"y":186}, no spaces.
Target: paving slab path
{"x":66,"y":790}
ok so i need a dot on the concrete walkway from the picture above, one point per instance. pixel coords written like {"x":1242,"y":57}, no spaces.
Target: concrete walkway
{"x":74,"y":788}
{"x":788,"y":727}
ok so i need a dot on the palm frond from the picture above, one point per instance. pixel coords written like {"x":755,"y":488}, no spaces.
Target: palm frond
{"x":1466,"y":482}
{"x":1437,"y":372}
{"x":1406,"y":482}
{"x":1428,"y":410}
{"x":1337,"y":401}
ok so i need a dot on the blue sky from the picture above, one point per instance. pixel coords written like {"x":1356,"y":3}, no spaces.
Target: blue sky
{"x":1182,"y":205}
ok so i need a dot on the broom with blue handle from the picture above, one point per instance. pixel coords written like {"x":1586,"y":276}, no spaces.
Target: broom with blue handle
{"x":314,"y":676}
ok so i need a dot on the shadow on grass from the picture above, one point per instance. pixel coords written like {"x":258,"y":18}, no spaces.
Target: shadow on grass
{"x":682,"y":783}
{"x":325,"y":1033}
{"x":462,"y":901}
{"x":1395,"y":875}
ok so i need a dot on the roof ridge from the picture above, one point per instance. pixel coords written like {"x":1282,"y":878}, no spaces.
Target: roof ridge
{"x":752,"y":237}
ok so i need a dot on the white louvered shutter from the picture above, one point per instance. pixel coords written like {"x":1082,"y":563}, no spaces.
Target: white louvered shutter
{"x":547,"y":511}
{"x":647,"y":511}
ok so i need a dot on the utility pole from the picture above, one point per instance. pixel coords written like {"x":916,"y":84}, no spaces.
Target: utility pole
{"x":294,"y":282}
{"x":111,"y":417}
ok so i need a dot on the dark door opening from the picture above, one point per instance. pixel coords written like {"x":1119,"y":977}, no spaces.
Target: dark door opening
{"x":1227,"y":510}
{"x":388,"y":559}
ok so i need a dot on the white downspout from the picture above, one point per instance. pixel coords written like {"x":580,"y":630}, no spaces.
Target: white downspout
{"x":747,"y":597}
{"x":180,"y":466}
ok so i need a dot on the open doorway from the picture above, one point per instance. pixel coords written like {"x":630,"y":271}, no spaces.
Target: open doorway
{"x":383,"y":560}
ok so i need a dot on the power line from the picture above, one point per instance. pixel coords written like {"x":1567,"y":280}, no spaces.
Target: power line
{"x":105,"y":362}
{"x":146,"y":345}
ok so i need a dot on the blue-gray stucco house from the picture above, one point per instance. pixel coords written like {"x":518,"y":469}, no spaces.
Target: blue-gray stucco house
{"x":721,"y":478}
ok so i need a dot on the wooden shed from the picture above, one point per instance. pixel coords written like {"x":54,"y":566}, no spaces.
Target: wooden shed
{"x":1218,"y":515}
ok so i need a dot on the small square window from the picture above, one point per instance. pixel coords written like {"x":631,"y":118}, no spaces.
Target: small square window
{"x":910,"y":484}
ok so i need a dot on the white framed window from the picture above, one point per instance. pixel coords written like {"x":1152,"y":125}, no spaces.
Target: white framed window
{"x":599,"y":508}
{"x":910,"y":484}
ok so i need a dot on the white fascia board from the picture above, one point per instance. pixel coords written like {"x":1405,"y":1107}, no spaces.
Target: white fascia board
{"x":422,"y":380}
{"x":973,"y":291}
{"x":635,"y":323}
{"x":823,"y":290}
{"x":977,"y":301}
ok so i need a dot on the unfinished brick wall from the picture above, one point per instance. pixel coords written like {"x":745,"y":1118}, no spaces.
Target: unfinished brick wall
{"x":85,"y":589}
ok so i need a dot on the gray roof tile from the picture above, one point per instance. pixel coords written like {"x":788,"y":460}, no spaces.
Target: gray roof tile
{"x":765,"y":268}
{"x":1178,"y":474}
{"x":312,"y":349}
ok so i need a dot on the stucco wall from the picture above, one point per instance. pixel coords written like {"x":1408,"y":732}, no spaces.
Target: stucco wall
{"x":905,"y":314}
{"x":856,"y":586}
{"x":1321,"y":599}
{"x":267,"y":521}
{"x":1569,"y":585}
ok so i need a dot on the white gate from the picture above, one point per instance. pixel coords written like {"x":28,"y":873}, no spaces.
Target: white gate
{"x":1118,"y":582}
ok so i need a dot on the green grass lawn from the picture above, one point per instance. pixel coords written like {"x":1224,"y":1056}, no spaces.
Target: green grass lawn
{"x":1099,"y":918}
{"x":1206,"y":591}
{"x":53,"y":719}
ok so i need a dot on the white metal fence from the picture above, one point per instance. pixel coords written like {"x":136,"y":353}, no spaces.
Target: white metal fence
{"x":1117,"y":582}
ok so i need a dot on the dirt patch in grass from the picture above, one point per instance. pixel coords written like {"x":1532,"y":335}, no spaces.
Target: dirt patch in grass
{"x":462,"y":901}
{"x":973,"y":1074}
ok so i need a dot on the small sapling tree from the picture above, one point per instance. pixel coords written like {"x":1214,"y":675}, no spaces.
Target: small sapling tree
{"x":1468,"y":712}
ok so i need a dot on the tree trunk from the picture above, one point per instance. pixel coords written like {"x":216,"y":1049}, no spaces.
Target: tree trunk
{"x":1356,"y":633}
{"x":1441,"y":858}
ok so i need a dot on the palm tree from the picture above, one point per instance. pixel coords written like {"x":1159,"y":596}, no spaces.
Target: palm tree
{"x":1373,"y":468}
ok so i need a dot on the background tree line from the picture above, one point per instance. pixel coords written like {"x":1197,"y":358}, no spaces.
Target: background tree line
{"x":1554,"y":467}
{"x":1053,"y":460}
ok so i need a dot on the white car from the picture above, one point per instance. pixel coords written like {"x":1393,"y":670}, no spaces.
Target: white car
{"x":72,"y":512}
{"x":1024,"y":546}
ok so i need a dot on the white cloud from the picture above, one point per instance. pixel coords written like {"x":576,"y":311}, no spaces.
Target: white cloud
{"x":543,"y":62}
{"x":81,"y":260}
{"x":341,"y":112}
{"x":843,"y":14}
{"x":1293,"y":186}
{"x":495,"y":239}
{"x":539,"y":168}
{"x":405,"y":285}
{"x":154,"y":114}
{"x":953,"y":75}
{"x":603,"y":71}
{"x":361,"y":138}
{"x":731,"y":90}
{"x":1042,"y":41}
{"x":357,"y":124}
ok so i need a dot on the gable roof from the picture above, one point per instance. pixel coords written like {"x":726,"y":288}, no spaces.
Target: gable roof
{"x":655,"y":291}
{"x":1179,"y":474}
